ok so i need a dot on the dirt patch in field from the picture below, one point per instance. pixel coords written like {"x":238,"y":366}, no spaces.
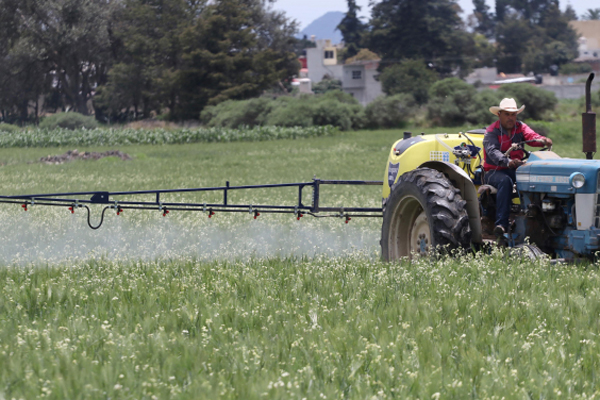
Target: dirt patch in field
{"x":73,"y":155}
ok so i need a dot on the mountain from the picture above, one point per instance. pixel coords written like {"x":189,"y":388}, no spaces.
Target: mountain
{"x":324,"y":27}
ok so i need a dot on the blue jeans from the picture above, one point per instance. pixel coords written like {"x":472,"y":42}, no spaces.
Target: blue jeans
{"x":503,"y":180}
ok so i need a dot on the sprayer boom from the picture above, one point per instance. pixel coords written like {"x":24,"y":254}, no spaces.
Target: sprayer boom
{"x":110,"y":200}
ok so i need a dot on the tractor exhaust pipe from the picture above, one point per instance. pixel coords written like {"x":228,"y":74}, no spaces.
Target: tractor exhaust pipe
{"x":588,"y":119}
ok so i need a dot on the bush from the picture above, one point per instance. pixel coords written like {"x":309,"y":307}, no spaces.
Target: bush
{"x":391,"y":111}
{"x":8,"y":128}
{"x":575,"y":68}
{"x":70,"y":120}
{"x":327,"y":85}
{"x":478,"y":112}
{"x":338,"y":109}
{"x":290,"y":111}
{"x":334,"y":108}
{"x":449,"y":100}
{"x":537,"y":101}
{"x":410,"y":76}
{"x":234,"y":114}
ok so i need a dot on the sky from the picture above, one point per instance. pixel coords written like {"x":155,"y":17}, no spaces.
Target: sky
{"x":306,"y":11}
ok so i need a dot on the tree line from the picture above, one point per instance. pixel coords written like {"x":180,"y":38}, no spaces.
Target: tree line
{"x":517,"y":36}
{"x":132,"y":59}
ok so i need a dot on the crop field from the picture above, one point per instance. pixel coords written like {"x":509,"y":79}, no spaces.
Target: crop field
{"x":152,"y":307}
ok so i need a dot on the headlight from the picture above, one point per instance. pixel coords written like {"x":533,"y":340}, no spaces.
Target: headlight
{"x":577,"y":180}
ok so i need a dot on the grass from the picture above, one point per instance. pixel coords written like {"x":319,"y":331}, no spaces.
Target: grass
{"x":204,"y":313}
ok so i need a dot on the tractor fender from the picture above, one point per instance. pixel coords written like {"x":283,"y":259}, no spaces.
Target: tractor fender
{"x":463,"y":182}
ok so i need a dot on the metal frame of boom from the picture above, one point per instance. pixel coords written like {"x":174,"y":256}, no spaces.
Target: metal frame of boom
{"x":73,"y":200}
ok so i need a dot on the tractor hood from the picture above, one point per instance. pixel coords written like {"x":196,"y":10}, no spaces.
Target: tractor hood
{"x":546,"y":172}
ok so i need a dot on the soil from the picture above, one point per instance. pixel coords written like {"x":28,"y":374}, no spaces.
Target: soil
{"x":73,"y":155}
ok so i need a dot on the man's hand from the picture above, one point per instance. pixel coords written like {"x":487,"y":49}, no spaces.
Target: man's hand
{"x":514,"y":164}
{"x":547,"y":142}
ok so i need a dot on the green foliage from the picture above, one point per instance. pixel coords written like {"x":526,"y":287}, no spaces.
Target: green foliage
{"x":342,"y":327}
{"x":478,"y":110}
{"x":592,"y":14}
{"x":238,"y":113}
{"x":575,"y":68}
{"x":432,"y":30}
{"x":8,"y":127}
{"x":333,"y":108}
{"x":533,"y":36}
{"x":352,"y":30}
{"x":69,"y":120}
{"x":390,"y":111}
{"x":111,"y":137}
{"x":410,"y":76}
{"x":449,"y":101}
{"x":537,"y":101}
{"x":235,"y":51}
{"x":327,"y":84}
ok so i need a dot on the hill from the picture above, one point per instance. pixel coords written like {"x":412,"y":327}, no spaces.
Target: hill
{"x":324,"y":27}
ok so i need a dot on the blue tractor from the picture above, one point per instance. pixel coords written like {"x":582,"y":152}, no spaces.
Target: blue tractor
{"x":433,"y":197}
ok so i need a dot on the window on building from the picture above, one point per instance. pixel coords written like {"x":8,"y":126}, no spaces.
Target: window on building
{"x":356,"y":74}
{"x":328,"y":54}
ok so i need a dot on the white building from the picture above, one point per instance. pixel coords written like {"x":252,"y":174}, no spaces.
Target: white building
{"x":358,"y":78}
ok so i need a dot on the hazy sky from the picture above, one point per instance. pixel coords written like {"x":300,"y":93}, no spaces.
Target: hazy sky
{"x":306,"y":11}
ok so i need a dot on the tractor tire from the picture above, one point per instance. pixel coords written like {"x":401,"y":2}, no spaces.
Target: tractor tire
{"x":424,"y":214}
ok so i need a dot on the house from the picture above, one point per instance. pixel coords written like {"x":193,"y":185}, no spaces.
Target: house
{"x":358,"y":77}
{"x":589,"y":42}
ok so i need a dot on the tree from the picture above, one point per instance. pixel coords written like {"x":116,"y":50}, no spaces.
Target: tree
{"x":327,"y":84}
{"x":592,"y":14}
{"x":410,"y":76}
{"x":352,"y":30}
{"x":429,"y":29}
{"x":533,"y":35}
{"x":147,"y":51}
{"x":235,"y":50}
{"x":485,"y":22}
{"x":73,"y":39}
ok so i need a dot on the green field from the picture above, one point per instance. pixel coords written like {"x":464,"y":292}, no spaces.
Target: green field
{"x":187,"y":307}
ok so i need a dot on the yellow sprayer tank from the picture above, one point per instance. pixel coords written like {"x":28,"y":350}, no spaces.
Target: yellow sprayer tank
{"x":411,"y":152}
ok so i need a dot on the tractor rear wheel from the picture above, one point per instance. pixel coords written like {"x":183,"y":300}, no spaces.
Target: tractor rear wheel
{"x":424,"y":213}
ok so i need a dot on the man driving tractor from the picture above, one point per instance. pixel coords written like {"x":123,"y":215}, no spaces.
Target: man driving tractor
{"x":499,"y":166}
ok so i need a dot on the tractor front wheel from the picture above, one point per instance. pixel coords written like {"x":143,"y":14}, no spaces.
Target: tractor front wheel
{"x":424,"y":213}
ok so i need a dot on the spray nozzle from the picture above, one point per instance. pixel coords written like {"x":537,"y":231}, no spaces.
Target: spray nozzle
{"x":24,"y":205}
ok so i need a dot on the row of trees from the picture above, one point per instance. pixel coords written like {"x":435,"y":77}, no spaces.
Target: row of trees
{"x":519,"y":36}
{"x":139,"y":56}
{"x":131,"y":59}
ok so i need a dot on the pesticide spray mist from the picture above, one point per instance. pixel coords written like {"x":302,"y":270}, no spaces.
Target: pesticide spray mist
{"x":51,"y":236}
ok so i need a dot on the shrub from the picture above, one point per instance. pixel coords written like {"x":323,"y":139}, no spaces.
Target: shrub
{"x":234,"y":114}
{"x":391,"y":111}
{"x":449,"y":100}
{"x":540,"y":127}
{"x":4,"y":127}
{"x":338,"y":109}
{"x":410,"y":76}
{"x":290,"y":111}
{"x":478,"y":112}
{"x":575,"y":68}
{"x":537,"y":101}
{"x":326,"y":85}
{"x":69,"y":120}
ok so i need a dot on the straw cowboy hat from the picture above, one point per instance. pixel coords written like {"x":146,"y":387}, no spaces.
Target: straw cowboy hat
{"x":506,"y":104}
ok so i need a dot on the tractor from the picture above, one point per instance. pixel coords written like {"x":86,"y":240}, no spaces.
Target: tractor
{"x":434,"y":198}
